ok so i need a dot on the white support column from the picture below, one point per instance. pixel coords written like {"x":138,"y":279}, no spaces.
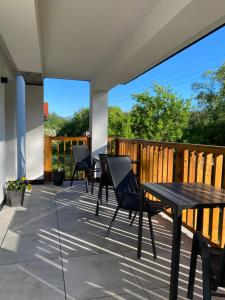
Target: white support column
{"x":2,"y":141}
{"x":20,"y":109}
{"x":98,"y":121}
{"x":34,"y":132}
{"x":11,"y":129}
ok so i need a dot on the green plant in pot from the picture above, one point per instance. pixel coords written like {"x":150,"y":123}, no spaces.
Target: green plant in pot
{"x":58,"y":176}
{"x":15,"y":191}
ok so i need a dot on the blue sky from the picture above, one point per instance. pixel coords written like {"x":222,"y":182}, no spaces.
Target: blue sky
{"x":67,"y":96}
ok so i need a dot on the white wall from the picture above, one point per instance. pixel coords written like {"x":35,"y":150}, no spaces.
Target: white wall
{"x":8,"y":147}
{"x":34,"y":132}
{"x":20,"y":98}
{"x":98,"y":121}
{"x":2,"y":141}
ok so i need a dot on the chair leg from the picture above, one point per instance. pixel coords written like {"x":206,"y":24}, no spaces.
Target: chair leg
{"x":97,"y":207}
{"x":130,"y":214}
{"x":72,"y":179}
{"x":152,"y":235}
{"x":92,"y":184}
{"x":107,"y":192}
{"x":86,"y":183}
{"x":192,"y":271}
{"x":113,"y":219}
{"x":135,"y":214}
{"x":206,"y":283}
{"x":100,"y":190}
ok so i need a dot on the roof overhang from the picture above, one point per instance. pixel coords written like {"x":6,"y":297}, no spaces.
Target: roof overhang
{"x":106,"y":42}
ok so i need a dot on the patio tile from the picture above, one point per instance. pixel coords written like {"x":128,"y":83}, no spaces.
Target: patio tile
{"x":90,"y":276}
{"x":6,"y":216}
{"x":17,"y":248}
{"x":36,"y":281}
{"x":30,"y":221}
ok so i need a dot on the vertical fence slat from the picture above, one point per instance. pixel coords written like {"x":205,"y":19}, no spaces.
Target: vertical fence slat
{"x":185,"y":179}
{"x":160,"y":165}
{"x":216,"y":211}
{"x":208,"y":178}
{"x":165,"y":164}
{"x":155,"y":165}
{"x":170,"y":165}
{"x":192,"y":173}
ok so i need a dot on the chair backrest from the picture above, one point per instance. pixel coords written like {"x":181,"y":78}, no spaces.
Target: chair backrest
{"x":121,"y":172}
{"x":103,"y":163}
{"x":81,"y":153}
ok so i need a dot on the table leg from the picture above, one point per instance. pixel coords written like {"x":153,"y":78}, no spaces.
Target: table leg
{"x":199,"y":226}
{"x":177,"y":221}
{"x":140,"y":225}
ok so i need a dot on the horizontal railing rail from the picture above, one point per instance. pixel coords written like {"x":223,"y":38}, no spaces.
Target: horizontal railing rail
{"x":158,"y":162}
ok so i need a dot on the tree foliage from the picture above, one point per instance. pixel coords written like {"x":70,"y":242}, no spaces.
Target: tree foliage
{"x":77,"y":125}
{"x":119,"y":122}
{"x":207,"y":121}
{"x":53,"y":124}
{"x":162,"y":116}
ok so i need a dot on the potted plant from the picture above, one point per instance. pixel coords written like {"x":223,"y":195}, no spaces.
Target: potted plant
{"x":16,"y":190}
{"x":58,"y":176}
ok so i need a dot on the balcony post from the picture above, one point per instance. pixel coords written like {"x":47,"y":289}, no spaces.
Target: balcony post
{"x":20,"y":121}
{"x":98,"y":121}
{"x":34,"y":132}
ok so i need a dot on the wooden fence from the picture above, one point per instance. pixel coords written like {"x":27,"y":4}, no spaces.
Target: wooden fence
{"x":162,"y":162}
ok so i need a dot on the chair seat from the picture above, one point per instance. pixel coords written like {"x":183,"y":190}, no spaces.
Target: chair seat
{"x":82,"y":166}
{"x":131,"y":201}
{"x":215,"y":259}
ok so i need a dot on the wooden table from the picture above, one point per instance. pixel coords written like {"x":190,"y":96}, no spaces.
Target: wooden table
{"x":180,"y":196}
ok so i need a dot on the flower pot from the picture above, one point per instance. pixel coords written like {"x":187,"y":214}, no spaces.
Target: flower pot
{"x":58,"y":177}
{"x":15,"y":198}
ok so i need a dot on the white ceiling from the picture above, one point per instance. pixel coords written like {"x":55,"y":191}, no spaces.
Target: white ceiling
{"x":104,"y":41}
{"x":82,"y":35}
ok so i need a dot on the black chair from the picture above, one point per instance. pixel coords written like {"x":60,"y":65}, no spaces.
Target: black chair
{"x":127,"y":192}
{"x":105,"y":180}
{"x":82,"y":159}
{"x":213,"y":267}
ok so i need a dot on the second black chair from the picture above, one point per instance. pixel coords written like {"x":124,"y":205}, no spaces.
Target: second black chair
{"x":127,"y":192}
{"x":82,"y":159}
{"x":213,"y":267}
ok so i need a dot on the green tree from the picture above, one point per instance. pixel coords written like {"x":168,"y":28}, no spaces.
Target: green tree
{"x":162,"y":116}
{"x":78,"y":125}
{"x":53,"y":124}
{"x":208,"y":94}
{"x":207,"y":121}
{"x":119,"y":122}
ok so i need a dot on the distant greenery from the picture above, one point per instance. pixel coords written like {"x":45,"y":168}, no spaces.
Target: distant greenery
{"x":207,"y":120}
{"x":160,"y":114}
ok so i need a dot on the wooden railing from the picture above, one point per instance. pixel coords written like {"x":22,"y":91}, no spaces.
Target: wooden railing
{"x":159,"y":162}
{"x":58,"y":153}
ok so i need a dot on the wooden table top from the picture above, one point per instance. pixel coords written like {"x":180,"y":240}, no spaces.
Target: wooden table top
{"x":187,"y":195}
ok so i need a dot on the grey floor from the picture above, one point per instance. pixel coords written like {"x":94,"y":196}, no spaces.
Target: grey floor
{"x":54,"y":248}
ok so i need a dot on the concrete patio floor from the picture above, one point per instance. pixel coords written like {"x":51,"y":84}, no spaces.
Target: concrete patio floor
{"x":54,"y":248}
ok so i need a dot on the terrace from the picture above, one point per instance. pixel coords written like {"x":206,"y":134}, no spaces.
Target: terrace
{"x":54,"y":247}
